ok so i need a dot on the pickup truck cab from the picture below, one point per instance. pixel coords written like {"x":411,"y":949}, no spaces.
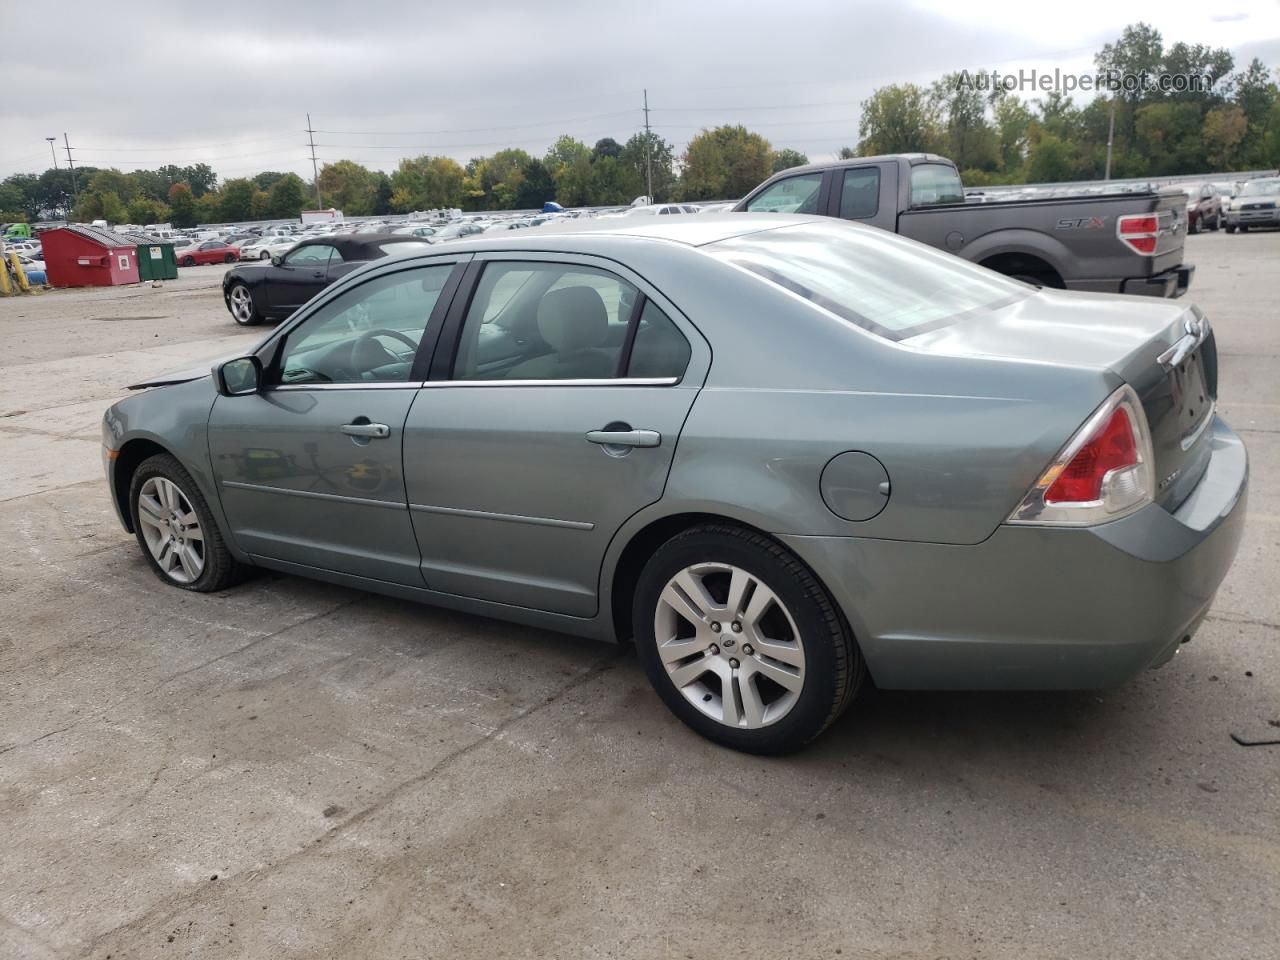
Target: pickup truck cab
{"x":1111,"y":243}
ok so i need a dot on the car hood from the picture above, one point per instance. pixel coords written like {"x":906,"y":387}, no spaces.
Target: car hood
{"x":1098,"y":331}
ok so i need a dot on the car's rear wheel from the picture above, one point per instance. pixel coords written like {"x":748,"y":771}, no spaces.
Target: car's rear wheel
{"x":742,"y":642}
{"x":176,"y":530}
{"x":243,"y":310}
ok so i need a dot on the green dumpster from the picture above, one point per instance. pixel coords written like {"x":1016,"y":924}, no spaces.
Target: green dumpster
{"x":155,"y":259}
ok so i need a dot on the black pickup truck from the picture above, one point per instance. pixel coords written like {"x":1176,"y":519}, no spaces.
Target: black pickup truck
{"x":1123,"y":242}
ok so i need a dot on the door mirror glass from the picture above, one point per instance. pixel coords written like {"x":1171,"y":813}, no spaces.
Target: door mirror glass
{"x":277,"y":260}
{"x":238,"y":377}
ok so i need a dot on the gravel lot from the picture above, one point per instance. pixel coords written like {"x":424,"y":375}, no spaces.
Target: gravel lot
{"x":290,"y":769}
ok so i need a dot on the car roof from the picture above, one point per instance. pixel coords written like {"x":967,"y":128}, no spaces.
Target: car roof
{"x":357,"y":245}
{"x":688,"y":231}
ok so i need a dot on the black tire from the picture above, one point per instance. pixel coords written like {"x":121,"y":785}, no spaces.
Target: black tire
{"x":1217,"y":223}
{"x":264,"y":255}
{"x":833,"y":669}
{"x":188,"y":261}
{"x":229,"y":258}
{"x":221,"y":569}
{"x":1195,"y":225}
{"x":255,"y":317}
{"x":1243,"y":228}
{"x":1231,"y":228}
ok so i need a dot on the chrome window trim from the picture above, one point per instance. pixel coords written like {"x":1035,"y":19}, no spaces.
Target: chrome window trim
{"x":381,"y":385}
{"x":600,"y":382}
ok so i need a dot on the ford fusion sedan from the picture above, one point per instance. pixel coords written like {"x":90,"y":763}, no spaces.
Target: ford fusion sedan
{"x":257,"y":293}
{"x":779,"y":454}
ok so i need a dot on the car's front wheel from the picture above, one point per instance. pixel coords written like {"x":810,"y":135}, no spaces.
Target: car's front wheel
{"x":176,"y":529}
{"x":264,"y":255}
{"x":188,"y":261}
{"x":742,"y":642}
{"x":240,"y":303}
{"x":229,"y":258}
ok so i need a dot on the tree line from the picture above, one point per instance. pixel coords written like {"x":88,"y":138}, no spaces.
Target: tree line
{"x":996,"y":137}
{"x":720,"y":163}
{"x":992,"y":135}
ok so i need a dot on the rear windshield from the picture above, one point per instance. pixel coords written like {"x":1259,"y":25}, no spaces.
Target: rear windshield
{"x":935,"y":183}
{"x":894,"y":287}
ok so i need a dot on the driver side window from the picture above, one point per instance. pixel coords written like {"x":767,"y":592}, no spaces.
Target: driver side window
{"x":317,"y":254}
{"x":370,"y":334}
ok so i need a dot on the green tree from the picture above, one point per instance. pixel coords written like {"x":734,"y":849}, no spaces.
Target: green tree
{"x":260,"y":204}
{"x":1169,"y":135}
{"x":113,"y":181}
{"x":536,"y":186}
{"x":606,"y":147}
{"x":1049,"y":159}
{"x":381,"y":194}
{"x":564,"y":152}
{"x":349,"y":187}
{"x":208,"y":207}
{"x":287,"y":197}
{"x":144,"y":210}
{"x":269,"y":178}
{"x":967,"y":135}
{"x":786,"y":159}
{"x":1139,"y":51}
{"x":21,"y":192}
{"x":1013,"y":120}
{"x":900,"y":118}
{"x":237,"y":200}
{"x":724,"y":163}
{"x":199,"y":177}
{"x":426,"y":183}
{"x":660,"y":165}
{"x":1224,"y":129}
{"x":182,"y":208}
{"x":100,"y":205}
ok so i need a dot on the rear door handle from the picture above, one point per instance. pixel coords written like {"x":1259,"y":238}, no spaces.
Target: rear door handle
{"x":625,"y":438}
{"x":379,"y":431}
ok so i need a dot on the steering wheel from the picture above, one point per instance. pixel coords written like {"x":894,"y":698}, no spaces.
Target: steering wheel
{"x":393,"y":334}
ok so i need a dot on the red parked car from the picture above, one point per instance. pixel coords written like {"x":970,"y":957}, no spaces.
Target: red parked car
{"x":1204,"y":208}
{"x":207,"y":251}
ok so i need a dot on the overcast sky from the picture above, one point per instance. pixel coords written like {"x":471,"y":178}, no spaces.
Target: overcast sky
{"x":230,"y":84}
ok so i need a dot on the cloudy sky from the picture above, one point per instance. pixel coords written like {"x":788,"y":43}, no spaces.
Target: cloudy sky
{"x":230,"y":84}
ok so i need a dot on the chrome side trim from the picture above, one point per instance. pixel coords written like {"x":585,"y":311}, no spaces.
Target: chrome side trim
{"x":505,"y":517}
{"x":407,"y":385}
{"x":1190,"y":439}
{"x":603,"y":382}
{"x":313,"y":495}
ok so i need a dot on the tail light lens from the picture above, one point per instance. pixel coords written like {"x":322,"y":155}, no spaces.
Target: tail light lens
{"x":1103,"y":473}
{"x":1140,"y":232}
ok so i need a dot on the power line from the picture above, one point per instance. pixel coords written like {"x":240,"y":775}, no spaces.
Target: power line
{"x":514,"y":126}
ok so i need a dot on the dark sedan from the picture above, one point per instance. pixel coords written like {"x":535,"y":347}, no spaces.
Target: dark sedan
{"x":256,"y":293}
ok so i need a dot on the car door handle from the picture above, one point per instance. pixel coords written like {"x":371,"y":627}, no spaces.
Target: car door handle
{"x":379,"y":431}
{"x":625,"y":438}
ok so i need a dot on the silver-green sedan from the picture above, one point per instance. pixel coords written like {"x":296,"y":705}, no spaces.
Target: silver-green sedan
{"x":780,"y":454}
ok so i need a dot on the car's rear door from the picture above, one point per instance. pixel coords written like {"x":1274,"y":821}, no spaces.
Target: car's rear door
{"x":557,"y":396}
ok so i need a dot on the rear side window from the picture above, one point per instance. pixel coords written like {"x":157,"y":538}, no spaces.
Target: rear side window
{"x":860,"y":193}
{"x":659,"y":349}
{"x":935,"y":183}
{"x":792,"y":195}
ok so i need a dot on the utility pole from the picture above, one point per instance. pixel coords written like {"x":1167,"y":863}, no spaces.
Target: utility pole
{"x":648,"y":144}
{"x":75,"y":191}
{"x":315,"y":171}
{"x":53,"y":152}
{"x":1111,"y":135}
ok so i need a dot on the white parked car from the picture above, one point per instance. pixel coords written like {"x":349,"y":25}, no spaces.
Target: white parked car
{"x":264,"y":248}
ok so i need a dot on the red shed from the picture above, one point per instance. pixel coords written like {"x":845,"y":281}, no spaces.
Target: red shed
{"x":89,"y":257}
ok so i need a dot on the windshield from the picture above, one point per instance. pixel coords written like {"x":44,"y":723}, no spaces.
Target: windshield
{"x":894,"y":287}
{"x":1261,"y":188}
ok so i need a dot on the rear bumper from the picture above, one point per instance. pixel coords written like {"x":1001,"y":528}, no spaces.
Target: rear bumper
{"x":1041,"y":608}
{"x":1170,"y":283}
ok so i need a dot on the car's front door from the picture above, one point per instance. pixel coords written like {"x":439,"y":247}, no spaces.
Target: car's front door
{"x":551,"y":417}
{"x":309,"y":469}
{"x":302,"y":274}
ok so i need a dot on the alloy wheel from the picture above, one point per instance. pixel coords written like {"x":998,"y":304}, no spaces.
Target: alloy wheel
{"x":171,"y":530}
{"x":729,"y":645}
{"x":241,"y":304}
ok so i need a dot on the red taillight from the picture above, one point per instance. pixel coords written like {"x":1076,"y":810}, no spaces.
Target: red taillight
{"x":1113,"y":448}
{"x":1140,"y":232}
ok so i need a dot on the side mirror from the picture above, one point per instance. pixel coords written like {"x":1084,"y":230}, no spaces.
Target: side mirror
{"x":238,"y":377}
{"x":277,"y":260}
